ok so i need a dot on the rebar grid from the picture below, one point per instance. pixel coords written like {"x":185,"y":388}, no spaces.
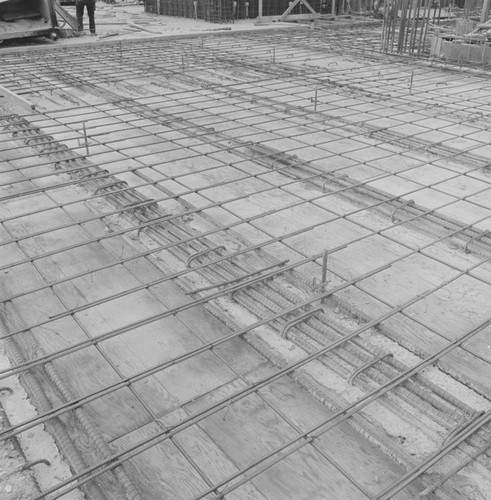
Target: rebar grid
{"x":235,"y":164}
{"x":195,"y":103}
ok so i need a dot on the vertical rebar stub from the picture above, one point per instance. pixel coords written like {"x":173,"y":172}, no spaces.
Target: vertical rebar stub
{"x":85,"y":138}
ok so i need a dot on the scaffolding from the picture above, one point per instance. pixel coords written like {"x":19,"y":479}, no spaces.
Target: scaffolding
{"x":229,"y":10}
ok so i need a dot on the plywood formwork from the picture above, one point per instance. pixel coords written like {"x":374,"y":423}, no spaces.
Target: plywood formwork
{"x":250,"y":266}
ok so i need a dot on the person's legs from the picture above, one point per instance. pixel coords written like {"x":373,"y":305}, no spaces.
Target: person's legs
{"x":91,"y":13}
{"x":79,"y":6}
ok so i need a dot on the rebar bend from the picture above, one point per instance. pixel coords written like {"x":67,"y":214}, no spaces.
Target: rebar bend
{"x":109,"y":185}
{"x":368,"y":365}
{"x":406,"y":203}
{"x":454,"y":432}
{"x":288,"y":326}
{"x":201,"y":254}
{"x":478,"y":237}
{"x":236,"y":280}
{"x":36,"y":462}
{"x":95,"y":174}
{"x":455,"y":470}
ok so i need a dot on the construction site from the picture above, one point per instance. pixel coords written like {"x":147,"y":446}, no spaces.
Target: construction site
{"x":245,"y":250}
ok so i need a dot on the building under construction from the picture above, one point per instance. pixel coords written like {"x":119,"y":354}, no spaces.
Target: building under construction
{"x":230,"y":10}
{"x":244,"y":263}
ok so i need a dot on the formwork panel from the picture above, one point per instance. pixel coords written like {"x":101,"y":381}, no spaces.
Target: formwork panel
{"x":263,"y":267}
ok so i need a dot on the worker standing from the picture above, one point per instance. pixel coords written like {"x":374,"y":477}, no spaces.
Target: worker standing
{"x":90,"y":6}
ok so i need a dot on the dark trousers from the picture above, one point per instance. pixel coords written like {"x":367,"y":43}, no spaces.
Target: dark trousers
{"x":90,"y":6}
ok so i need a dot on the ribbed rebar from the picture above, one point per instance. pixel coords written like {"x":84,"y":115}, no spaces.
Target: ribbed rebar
{"x":57,"y":428}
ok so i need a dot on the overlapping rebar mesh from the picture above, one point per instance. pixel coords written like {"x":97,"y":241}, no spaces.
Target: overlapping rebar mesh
{"x":309,"y":103}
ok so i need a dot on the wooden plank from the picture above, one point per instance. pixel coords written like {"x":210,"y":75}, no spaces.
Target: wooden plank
{"x":308,"y":6}
{"x":285,"y":221}
{"x":162,"y":471}
{"x":468,"y":365}
{"x":78,"y":370}
{"x":208,"y":327}
{"x":480,"y":346}
{"x":259,"y":430}
{"x":81,"y":366}
{"x":469,"y":369}
{"x":326,"y":236}
{"x":407,"y":278}
{"x":456,"y":308}
{"x":248,"y":421}
{"x":208,"y":456}
{"x":374,"y":470}
{"x":293,"y":17}
{"x":289,"y":9}
{"x":366,"y":255}
{"x":286,"y":15}
{"x":152,"y":344}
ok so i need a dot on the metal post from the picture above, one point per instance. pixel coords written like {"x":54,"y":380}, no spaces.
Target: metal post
{"x":324,"y":274}
{"x":260,"y":12}
{"x":324,"y":266}
{"x":85,"y":138}
{"x":485,"y":11}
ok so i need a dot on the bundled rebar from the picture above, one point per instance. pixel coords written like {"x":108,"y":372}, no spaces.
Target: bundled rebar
{"x":408,"y":23}
{"x":405,"y":25}
{"x":225,"y":11}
